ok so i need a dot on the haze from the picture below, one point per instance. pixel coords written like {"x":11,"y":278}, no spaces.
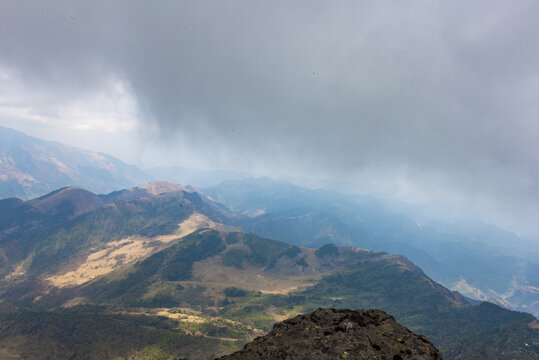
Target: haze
{"x":427,"y":102}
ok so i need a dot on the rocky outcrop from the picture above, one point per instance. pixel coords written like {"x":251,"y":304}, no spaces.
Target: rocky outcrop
{"x":339,"y":334}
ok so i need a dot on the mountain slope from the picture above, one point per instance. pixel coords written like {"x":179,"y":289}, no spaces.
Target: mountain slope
{"x":193,"y":176}
{"x":164,"y":250}
{"x":256,"y":196}
{"x":473,"y":266}
{"x":31,"y":167}
{"x":235,"y":286}
{"x":26,"y":334}
{"x":71,"y":235}
{"x":481,"y":261}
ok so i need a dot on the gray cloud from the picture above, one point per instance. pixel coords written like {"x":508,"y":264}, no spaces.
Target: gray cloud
{"x":421,"y":99}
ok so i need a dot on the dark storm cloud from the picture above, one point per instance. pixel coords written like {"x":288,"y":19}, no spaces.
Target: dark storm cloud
{"x":438,"y":98}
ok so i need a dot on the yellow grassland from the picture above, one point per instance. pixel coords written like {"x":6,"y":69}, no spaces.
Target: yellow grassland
{"x":119,"y":253}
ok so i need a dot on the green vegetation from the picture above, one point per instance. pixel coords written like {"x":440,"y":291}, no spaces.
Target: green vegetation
{"x":79,"y":335}
{"x":264,"y":251}
{"x":327,"y":250}
{"x":413,"y":301}
{"x":169,"y":265}
{"x":235,"y":258}
{"x":234,"y":292}
{"x":514,"y":342}
{"x":160,"y":285}
{"x":368,"y":280}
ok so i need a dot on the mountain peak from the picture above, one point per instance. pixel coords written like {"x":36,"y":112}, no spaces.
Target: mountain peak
{"x":339,"y":334}
{"x":150,"y":190}
{"x":80,"y":201}
{"x":161,"y":187}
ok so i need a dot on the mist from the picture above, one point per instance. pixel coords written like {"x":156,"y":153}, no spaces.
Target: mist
{"x":427,"y":102}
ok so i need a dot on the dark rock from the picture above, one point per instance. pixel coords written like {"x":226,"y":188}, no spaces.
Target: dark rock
{"x":339,"y":334}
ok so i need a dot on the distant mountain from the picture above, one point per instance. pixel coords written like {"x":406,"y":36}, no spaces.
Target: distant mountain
{"x":197,"y":177}
{"x":257,"y":196}
{"x":481,"y":261}
{"x":30,"y":167}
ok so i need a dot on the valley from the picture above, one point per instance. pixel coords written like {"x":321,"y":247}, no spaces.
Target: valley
{"x":115,"y":254}
{"x":170,"y":259}
{"x":481,"y":261}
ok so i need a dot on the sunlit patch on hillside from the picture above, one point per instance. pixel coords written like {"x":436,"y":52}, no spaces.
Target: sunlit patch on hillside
{"x":193,"y":322}
{"x":195,"y":222}
{"x":466,"y":289}
{"x":122,"y":252}
{"x":104,"y":261}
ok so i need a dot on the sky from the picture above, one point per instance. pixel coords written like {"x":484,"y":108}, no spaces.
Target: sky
{"x":423,"y":101}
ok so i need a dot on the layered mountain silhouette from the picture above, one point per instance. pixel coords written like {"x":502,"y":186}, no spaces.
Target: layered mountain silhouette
{"x":76,"y":260}
{"x":31,"y":167}
{"x":479,"y":260}
{"x":163,"y":270}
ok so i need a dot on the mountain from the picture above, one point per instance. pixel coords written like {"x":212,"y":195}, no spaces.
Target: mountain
{"x":72,"y":236}
{"x":197,"y":177}
{"x":479,"y":260}
{"x":256,"y":196}
{"x":88,"y":235}
{"x":31,"y":167}
{"x":339,"y":334}
{"x":231,"y":286}
{"x":81,"y":272}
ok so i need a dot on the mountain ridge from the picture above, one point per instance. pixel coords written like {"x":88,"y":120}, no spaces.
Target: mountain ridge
{"x":482,"y":261}
{"x":177,"y":255}
{"x":73,"y":219}
{"x":31,"y":167}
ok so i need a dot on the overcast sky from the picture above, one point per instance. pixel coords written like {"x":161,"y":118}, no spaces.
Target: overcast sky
{"x":431,"y":101}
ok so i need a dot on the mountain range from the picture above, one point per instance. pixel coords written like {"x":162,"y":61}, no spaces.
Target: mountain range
{"x":31,"y":167}
{"x":481,"y":261}
{"x":173,"y":265}
{"x":196,"y":272}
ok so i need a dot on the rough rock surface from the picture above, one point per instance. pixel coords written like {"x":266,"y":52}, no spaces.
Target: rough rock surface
{"x":339,"y":334}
